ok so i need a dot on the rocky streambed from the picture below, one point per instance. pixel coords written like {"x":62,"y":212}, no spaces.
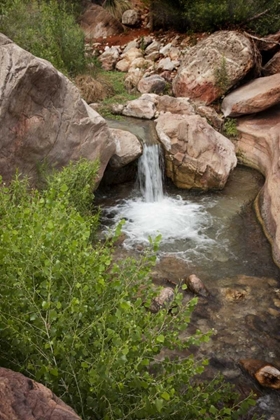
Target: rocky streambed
{"x":243,"y":305}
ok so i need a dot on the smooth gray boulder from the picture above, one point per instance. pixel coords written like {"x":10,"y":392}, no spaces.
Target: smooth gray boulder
{"x":43,"y":118}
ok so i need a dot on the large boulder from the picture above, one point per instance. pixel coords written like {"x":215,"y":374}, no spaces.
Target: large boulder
{"x":96,"y":22}
{"x":214,"y":65}
{"x":255,"y":96}
{"x":22,"y":398}
{"x":196,"y":155}
{"x":258,"y":147}
{"x":43,"y":118}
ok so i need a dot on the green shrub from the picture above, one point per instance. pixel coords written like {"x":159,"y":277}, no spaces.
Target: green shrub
{"x":259,"y":16}
{"x":77,"y":320}
{"x":48,"y":30}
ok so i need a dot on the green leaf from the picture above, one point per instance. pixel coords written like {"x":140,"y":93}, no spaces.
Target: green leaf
{"x":165,"y":396}
{"x":159,"y":404}
{"x":160,"y":338}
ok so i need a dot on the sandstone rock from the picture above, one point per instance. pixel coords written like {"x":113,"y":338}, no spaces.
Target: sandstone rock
{"x":143,"y":107}
{"x":96,"y":22}
{"x":140,"y":63}
{"x":258,"y":147}
{"x":196,"y":155}
{"x":165,"y":50}
{"x":153,"y":84}
{"x":127,"y":58}
{"x":128,"y":148}
{"x":153,"y":47}
{"x":164,"y":298}
{"x":272,"y":66}
{"x":109,"y":58}
{"x":196,"y":286}
{"x":131,"y":44}
{"x":43,"y":118}
{"x":265,"y":373}
{"x":167,"y":64}
{"x":255,"y":96}
{"x":130,"y":18}
{"x":132,"y":78}
{"x":211,"y":115}
{"x":22,"y":398}
{"x":224,"y":55}
{"x":166,"y":103}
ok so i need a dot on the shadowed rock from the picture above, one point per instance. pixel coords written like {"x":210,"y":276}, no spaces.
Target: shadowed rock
{"x":96,"y":22}
{"x":258,"y":147}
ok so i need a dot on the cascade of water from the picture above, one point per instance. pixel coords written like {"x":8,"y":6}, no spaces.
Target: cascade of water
{"x":150,"y":174}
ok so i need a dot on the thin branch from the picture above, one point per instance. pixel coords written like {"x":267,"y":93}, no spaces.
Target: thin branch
{"x":255,"y":17}
{"x":267,"y":41}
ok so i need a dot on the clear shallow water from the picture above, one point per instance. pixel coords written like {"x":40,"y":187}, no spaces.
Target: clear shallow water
{"x":215,"y":233}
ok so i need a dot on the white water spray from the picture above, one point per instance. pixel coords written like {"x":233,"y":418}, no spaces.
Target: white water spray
{"x":150,"y":174}
{"x":182,"y":224}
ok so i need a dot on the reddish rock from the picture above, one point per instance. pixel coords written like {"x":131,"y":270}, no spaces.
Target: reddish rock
{"x":165,"y":297}
{"x":22,"y":398}
{"x":266,"y":374}
{"x":227,"y":53}
{"x":272,"y":66}
{"x":255,"y":96}
{"x":196,"y":286}
{"x":258,"y":147}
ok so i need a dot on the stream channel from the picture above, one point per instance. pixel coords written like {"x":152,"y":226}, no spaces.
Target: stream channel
{"x":217,"y":237}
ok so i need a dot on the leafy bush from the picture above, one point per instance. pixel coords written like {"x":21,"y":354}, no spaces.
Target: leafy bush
{"x":259,"y":16}
{"x":48,"y":30}
{"x":77,"y":320}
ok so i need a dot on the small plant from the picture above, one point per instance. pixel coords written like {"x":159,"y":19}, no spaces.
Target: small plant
{"x":230,"y":128}
{"x":221,"y":76}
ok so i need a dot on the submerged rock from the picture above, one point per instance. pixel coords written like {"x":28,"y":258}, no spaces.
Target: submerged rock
{"x":196,"y":286}
{"x":165,"y":297}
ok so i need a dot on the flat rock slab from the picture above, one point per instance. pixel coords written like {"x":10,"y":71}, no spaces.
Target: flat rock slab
{"x":255,"y":96}
{"x":214,"y":65}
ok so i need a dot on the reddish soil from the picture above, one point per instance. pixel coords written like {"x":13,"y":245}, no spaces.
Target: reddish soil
{"x":124,"y":38}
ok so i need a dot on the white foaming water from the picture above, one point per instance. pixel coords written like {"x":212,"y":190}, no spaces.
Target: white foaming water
{"x":176,"y":220}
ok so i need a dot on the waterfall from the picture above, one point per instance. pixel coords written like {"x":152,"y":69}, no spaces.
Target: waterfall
{"x":150,"y":173}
